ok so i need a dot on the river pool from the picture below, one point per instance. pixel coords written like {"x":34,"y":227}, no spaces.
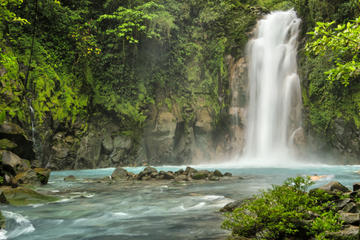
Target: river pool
{"x":158,"y":210}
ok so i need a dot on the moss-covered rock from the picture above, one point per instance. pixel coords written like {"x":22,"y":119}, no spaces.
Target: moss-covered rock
{"x":6,"y":144}
{"x":42,"y":174}
{"x":22,"y":196}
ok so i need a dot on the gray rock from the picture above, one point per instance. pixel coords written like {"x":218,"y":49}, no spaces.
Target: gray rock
{"x":217,"y":173}
{"x":11,"y":128}
{"x":227,"y":174}
{"x":168,"y":175}
{"x":232,"y":206}
{"x":334,"y":186}
{"x":350,"y":218}
{"x":147,"y":172}
{"x":349,"y":232}
{"x":145,"y":178}
{"x":119,"y":174}
{"x":351,"y":207}
{"x":214,"y":178}
{"x":70,"y":178}
{"x":13,"y":161}
{"x":181,"y":178}
{"x":342,"y":203}
{"x":179,"y":172}
{"x":43,"y":174}
{"x":190,"y":171}
{"x":27,"y":177}
{"x":199,"y":175}
{"x":356,"y":187}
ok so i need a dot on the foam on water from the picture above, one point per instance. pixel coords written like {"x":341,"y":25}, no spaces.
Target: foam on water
{"x":22,"y":226}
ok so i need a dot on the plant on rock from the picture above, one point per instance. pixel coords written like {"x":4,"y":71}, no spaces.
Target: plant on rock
{"x":285,"y":211}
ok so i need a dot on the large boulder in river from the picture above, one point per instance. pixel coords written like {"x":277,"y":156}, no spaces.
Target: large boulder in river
{"x":33,"y":176}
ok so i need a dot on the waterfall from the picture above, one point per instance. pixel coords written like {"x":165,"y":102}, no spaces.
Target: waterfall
{"x":274,"y":88}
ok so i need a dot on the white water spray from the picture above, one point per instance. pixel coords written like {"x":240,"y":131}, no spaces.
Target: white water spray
{"x":275,"y":95}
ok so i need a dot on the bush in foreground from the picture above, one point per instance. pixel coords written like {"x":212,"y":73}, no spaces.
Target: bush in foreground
{"x":286,"y":211}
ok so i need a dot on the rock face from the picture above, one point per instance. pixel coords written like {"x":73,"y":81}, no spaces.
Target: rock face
{"x":100,"y":146}
{"x":238,"y":85}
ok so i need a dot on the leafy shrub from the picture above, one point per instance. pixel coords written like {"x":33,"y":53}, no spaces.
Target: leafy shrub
{"x":285,"y":211}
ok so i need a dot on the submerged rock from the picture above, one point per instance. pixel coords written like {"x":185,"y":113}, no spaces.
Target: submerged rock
{"x":70,"y":178}
{"x":21,"y":196}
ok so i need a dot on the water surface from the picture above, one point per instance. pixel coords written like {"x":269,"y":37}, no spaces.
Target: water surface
{"x":138,"y":210}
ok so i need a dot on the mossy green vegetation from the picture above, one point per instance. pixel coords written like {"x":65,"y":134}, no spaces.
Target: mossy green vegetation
{"x":71,"y":60}
{"x":22,"y":196}
{"x":285,"y":211}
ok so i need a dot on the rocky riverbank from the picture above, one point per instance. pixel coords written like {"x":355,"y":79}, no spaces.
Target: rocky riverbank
{"x":19,"y":170}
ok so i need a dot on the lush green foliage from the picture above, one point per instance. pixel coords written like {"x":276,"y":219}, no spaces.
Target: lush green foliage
{"x":343,"y":41}
{"x":330,"y":64}
{"x":284,"y":211}
{"x":123,"y":58}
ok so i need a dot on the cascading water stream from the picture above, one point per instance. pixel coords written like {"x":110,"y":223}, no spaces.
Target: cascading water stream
{"x":274,"y":88}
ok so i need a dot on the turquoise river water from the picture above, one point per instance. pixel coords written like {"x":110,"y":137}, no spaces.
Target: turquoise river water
{"x":158,"y":210}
